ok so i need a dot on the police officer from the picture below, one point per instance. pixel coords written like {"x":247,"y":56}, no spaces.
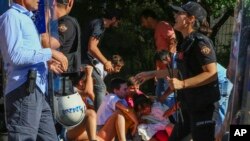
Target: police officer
{"x":197,"y":84}
{"x":65,"y":33}
{"x":65,"y":36}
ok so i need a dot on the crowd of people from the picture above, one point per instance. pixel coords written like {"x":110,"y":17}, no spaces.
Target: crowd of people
{"x":191,"y":94}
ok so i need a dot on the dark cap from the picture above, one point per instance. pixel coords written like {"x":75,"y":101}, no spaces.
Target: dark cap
{"x":192,"y":8}
{"x":64,"y":2}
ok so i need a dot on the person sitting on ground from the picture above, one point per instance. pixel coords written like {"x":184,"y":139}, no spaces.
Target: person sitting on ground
{"x":114,"y":113}
{"x":153,"y":125}
{"x":117,"y":63}
{"x":133,"y":90}
{"x":87,"y":129}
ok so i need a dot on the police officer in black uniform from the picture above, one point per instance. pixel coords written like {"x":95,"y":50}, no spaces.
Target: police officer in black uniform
{"x":197,"y":84}
{"x":66,"y":37}
{"x":65,"y":34}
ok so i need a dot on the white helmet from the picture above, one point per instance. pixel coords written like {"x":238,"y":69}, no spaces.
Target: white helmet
{"x":69,"y":110}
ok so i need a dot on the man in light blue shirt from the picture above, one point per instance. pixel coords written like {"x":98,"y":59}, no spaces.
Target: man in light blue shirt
{"x":28,"y":115}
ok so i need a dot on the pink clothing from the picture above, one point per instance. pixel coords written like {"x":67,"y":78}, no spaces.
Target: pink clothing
{"x":163,"y":33}
{"x":130,"y":99}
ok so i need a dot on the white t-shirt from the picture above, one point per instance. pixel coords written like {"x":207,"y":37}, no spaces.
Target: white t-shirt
{"x":108,"y":107}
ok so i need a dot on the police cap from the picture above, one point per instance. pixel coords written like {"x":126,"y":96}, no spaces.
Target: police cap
{"x":192,"y":8}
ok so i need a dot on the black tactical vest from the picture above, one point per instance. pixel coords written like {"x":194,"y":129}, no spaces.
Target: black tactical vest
{"x":74,"y":58}
{"x":199,"y":97}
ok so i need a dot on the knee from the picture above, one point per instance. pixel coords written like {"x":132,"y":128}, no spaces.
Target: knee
{"x":119,"y":115}
{"x":91,"y":114}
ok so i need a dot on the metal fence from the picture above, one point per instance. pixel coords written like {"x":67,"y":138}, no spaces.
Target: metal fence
{"x":224,"y":36}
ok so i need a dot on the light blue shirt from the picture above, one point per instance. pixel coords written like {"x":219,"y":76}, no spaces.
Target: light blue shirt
{"x":21,"y":48}
{"x":225,"y":89}
{"x":108,"y":107}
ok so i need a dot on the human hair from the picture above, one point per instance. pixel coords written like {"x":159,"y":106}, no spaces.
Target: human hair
{"x":77,"y":77}
{"x":202,"y":26}
{"x":117,"y":60}
{"x":141,"y":101}
{"x":162,"y":55}
{"x":116,"y":83}
{"x":148,"y":13}
{"x":111,"y":13}
{"x":131,"y":81}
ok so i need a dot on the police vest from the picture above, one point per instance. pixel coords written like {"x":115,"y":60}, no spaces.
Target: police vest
{"x":199,"y":97}
{"x":74,"y":58}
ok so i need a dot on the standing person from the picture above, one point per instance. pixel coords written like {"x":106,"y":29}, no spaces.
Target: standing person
{"x":28,"y":115}
{"x":65,"y":33}
{"x":197,"y":86}
{"x":164,"y":37}
{"x":91,"y":53}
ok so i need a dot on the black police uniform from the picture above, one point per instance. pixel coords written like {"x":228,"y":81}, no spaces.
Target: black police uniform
{"x":67,"y":30}
{"x":197,"y":104}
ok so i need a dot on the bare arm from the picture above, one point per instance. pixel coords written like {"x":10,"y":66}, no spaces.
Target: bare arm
{"x":144,"y":76}
{"x":89,"y":83}
{"x":49,"y":41}
{"x":127,"y":112}
{"x":94,"y":50}
{"x":208,"y":75}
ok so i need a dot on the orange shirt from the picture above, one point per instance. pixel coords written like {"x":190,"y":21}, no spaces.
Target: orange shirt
{"x":163,"y":34}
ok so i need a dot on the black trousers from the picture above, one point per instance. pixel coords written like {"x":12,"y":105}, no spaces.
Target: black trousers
{"x":199,"y":123}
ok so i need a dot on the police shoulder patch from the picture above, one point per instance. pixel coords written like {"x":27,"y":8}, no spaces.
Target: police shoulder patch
{"x":62,"y":27}
{"x":205,"y":50}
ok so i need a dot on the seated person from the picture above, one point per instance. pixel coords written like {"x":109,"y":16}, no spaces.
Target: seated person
{"x":114,"y":114}
{"x":87,"y":129}
{"x":117,"y":63}
{"x":133,"y":89}
{"x":153,"y":126}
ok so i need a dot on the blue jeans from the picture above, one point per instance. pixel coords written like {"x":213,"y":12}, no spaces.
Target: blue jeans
{"x":161,"y":87}
{"x":28,"y":116}
{"x":99,"y":89}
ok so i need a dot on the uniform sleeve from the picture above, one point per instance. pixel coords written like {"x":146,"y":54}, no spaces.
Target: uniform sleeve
{"x":205,"y":53}
{"x":97,"y":30}
{"x":66,"y":31}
